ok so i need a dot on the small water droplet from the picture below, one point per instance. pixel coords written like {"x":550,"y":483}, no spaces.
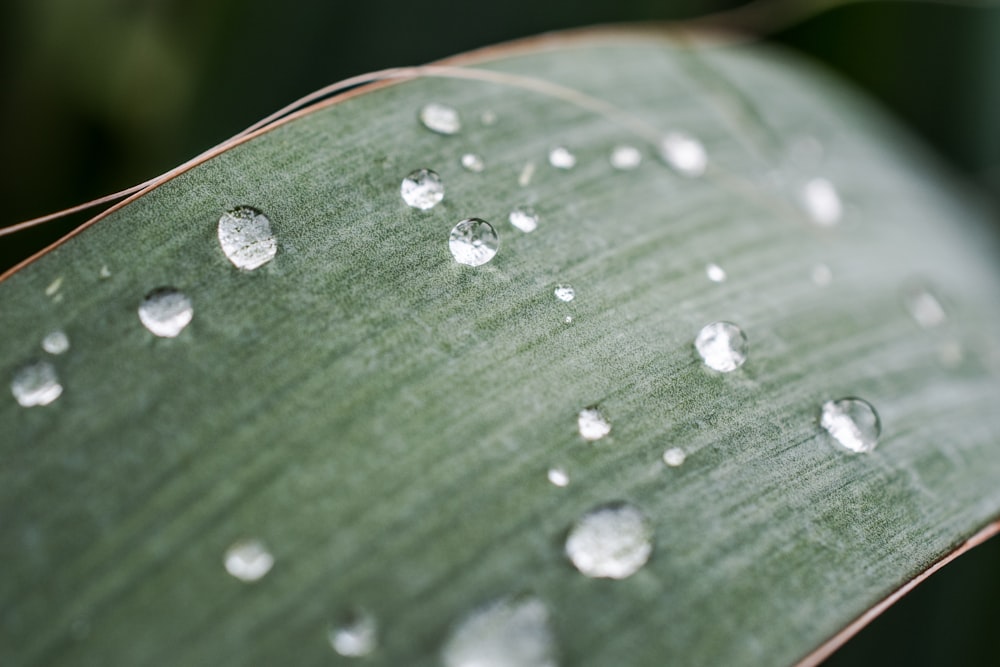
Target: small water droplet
{"x":524,"y":178}
{"x":248,"y":560}
{"x":561,"y":158}
{"x":558,"y":477}
{"x":440,"y":118}
{"x":55,"y":342}
{"x":54,"y":286}
{"x":592,"y":424}
{"x":473,"y":162}
{"x":565,"y":293}
{"x":568,"y":319}
{"x":613,"y":541}
{"x":105,"y":272}
{"x":422,"y":189}
{"x":722,"y":345}
{"x":524,"y":218}
{"x":356,"y":637}
{"x":473,"y":242}
{"x":821,"y":202}
{"x":625,"y":157}
{"x":166,"y":312}
{"x":853,"y":423}
{"x":488,"y":118}
{"x":36,"y":384}
{"x":674,"y":457}
{"x":510,"y":632}
{"x":923,"y":306}
{"x":246,"y":238}
{"x":822,"y":275}
{"x":715,"y":273}
{"x":684,"y":153}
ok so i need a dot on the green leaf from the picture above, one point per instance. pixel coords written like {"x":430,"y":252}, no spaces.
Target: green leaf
{"x":383,"y":418}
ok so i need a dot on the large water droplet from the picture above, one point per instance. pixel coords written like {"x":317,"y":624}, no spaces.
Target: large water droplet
{"x":923,"y":306}
{"x":715,"y":273}
{"x":246,"y":238}
{"x":592,"y":424}
{"x":625,"y":157}
{"x":248,"y":560}
{"x":36,"y":384}
{"x":558,"y":477}
{"x":511,"y":632}
{"x":55,"y":342}
{"x":565,"y":293}
{"x":473,"y":162}
{"x":356,"y":637}
{"x":422,"y":189}
{"x":165,"y":312}
{"x":722,"y":345}
{"x":852,"y":422}
{"x":684,"y":153}
{"x":560,"y":157}
{"x":674,"y":457}
{"x":440,"y":118}
{"x":524,"y":218}
{"x":473,"y":242}
{"x":821,"y":202}
{"x":610,"y":542}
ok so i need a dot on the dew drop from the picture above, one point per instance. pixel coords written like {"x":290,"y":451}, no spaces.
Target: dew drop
{"x":473,"y":162}
{"x":821,"y":275}
{"x":852,"y":423}
{"x":524,"y":218}
{"x":356,"y":637}
{"x":625,"y":157}
{"x":510,"y":632}
{"x":565,"y":293}
{"x":440,"y":118}
{"x":568,"y":319}
{"x":674,"y":457}
{"x":165,"y":312}
{"x":473,"y":242}
{"x":36,"y":384}
{"x":54,"y":286}
{"x":924,"y":307}
{"x":248,"y":560}
{"x":105,"y":272}
{"x":561,"y":158}
{"x":610,"y":542}
{"x":722,"y":346}
{"x":56,"y":342}
{"x":821,"y":202}
{"x":558,"y":477}
{"x":246,"y":238}
{"x":592,"y":424}
{"x":684,"y":153}
{"x":422,"y":189}
{"x":715,"y":273}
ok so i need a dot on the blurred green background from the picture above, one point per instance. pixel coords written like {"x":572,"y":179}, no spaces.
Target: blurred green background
{"x":102,"y":94}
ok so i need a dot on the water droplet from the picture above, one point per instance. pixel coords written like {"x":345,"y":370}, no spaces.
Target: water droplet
{"x":488,"y":118}
{"x":105,"y":272}
{"x":568,"y":319}
{"x":524,"y":178}
{"x":558,"y":477}
{"x":440,"y":118}
{"x":592,"y":424}
{"x":610,"y":542}
{"x":422,"y":189}
{"x":165,"y":312}
{"x":625,"y":157}
{"x":510,"y":632}
{"x":684,"y":153}
{"x":246,"y":238}
{"x":722,"y":346}
{"x":55,"y":342}
{"x":473,"y":162}
{"x":473,"y":242}
{"x":54,"y":286}
{"x":248,"y":560}
{"x":674,"y":457}
{"x":923,"y":306}
{"x":524,"y":218}
{"x":715,"y":273}
{"x":561,"y":158}
{"x":565,"y":292}
{"x":853,"y":423}
{"x":36,"y":384}
{"x":822,"y":275}
{"x":356,"y":637}
{"x":821,"y":202}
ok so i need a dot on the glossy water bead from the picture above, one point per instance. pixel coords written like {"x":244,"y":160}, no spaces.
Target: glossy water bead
{"x":440,"y":118}
{"x":852,"y":423}
{"x":36,"y":384}
{"x":246,"y":238}
{"x":613,"y":541}
{"x":510,"y":632}
{"x":165,"y":312}
{"x":473,"y":242}
{"x":422,"y":189}
{"x":722,"y":346}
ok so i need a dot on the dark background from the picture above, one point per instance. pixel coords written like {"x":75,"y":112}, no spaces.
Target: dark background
{"x":98,"y":95}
